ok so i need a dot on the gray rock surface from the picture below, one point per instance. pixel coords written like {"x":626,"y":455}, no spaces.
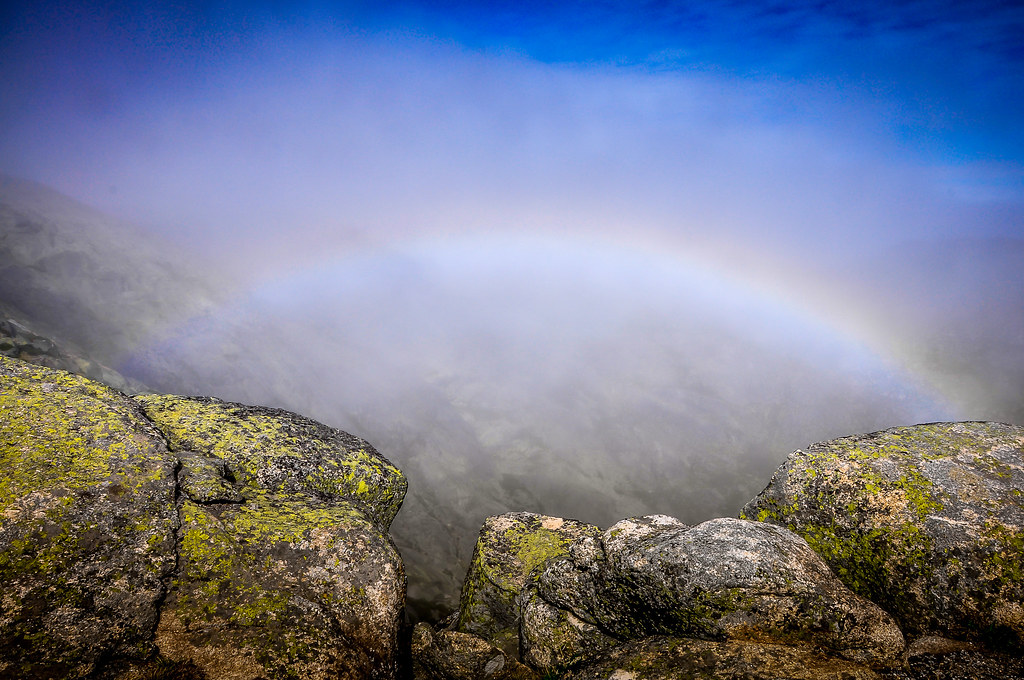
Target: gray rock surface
{"x":87,"y":525}
{"x":927,"y":521}
{"x":723,"y":579}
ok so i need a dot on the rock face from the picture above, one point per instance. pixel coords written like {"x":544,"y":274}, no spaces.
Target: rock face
{"x":451,"y":655}
{"x":237,"y":541}
{"x":509,"y":553}
{"x":273,"y":451}
{"x":723,"y":579}
{"x":927,"y":521}
{"x":87,"y":524}
{"x":283,"y":566}
{"x":583,"y":596}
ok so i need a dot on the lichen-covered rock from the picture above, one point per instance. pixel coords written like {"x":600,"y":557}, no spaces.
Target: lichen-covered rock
{"x":723,"y":579}
{"x":242,"y":551}
{"x":285,"y":567}
{"x":511,"y":550}
{"x":280,"y":587}
{"x":661,"y":658}
{"x":552,"y":638}
{"x":277,"y":451}
{"x":451,"y":655}
{"x":87,"y":525}
{"x":927,"y":521}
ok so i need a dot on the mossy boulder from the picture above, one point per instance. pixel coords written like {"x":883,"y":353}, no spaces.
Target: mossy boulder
{"x":281,"y":587}
{"x":663,"y":658}
{"x":285,"y":566}
{"x":512,"y":549}
{"x":553,"y":638}
{"x":87,"y":525}
{"x":723,"y":579}
{"x":223,"y":541}
{"x":275,"y":451}
{"x":927,"y":521}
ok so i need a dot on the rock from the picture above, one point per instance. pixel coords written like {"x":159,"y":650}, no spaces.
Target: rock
{"x":17,"y":341}
{"x":553,"y":638}
{"x":663,"y":658}
{"x":206,"y":479}
{"x":927,"y":521}
{"x":276,"y":587}
{"x":254,"y":546}
{"x":87,"y":524}
{"x":270,"y":450}
{"x":932,"y":657}
{"x":285,"y":566}
{"x":511,"y":550}
{"x":451,"y":655}
{"x":723,"y":579}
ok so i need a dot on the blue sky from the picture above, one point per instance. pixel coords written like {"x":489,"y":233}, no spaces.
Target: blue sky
{"x":954,"y":68}
{"x":825,"y":124}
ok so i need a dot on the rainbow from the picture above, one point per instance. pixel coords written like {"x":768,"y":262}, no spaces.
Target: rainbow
{"x":623,"y":269}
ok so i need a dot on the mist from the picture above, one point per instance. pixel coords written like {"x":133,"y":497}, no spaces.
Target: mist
{"x":607,"y":279}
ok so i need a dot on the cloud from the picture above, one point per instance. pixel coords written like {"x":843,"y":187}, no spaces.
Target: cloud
{"x":376,"y":136}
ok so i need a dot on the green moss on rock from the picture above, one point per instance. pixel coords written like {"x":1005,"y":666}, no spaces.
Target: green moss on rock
{"x":254,"y":546}
{"x":285,"y":567}
{"x":281,"y":452}
{"x":271,"y":579}
{"x":926,"y":521}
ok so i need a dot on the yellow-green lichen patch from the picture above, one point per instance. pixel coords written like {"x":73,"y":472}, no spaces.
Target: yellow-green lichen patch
{"x":534,"y":548}
{"x":280,"y":452}
{"x":87,"y":521}
{"x":60,"y":429}
{"x":1004,"y":568}
{"x":278,"y":576}
{"x":217,"y":578}
{"x":232,"y":557}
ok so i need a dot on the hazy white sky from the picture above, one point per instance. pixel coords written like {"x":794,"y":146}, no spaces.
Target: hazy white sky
{"x":278,"y":135}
